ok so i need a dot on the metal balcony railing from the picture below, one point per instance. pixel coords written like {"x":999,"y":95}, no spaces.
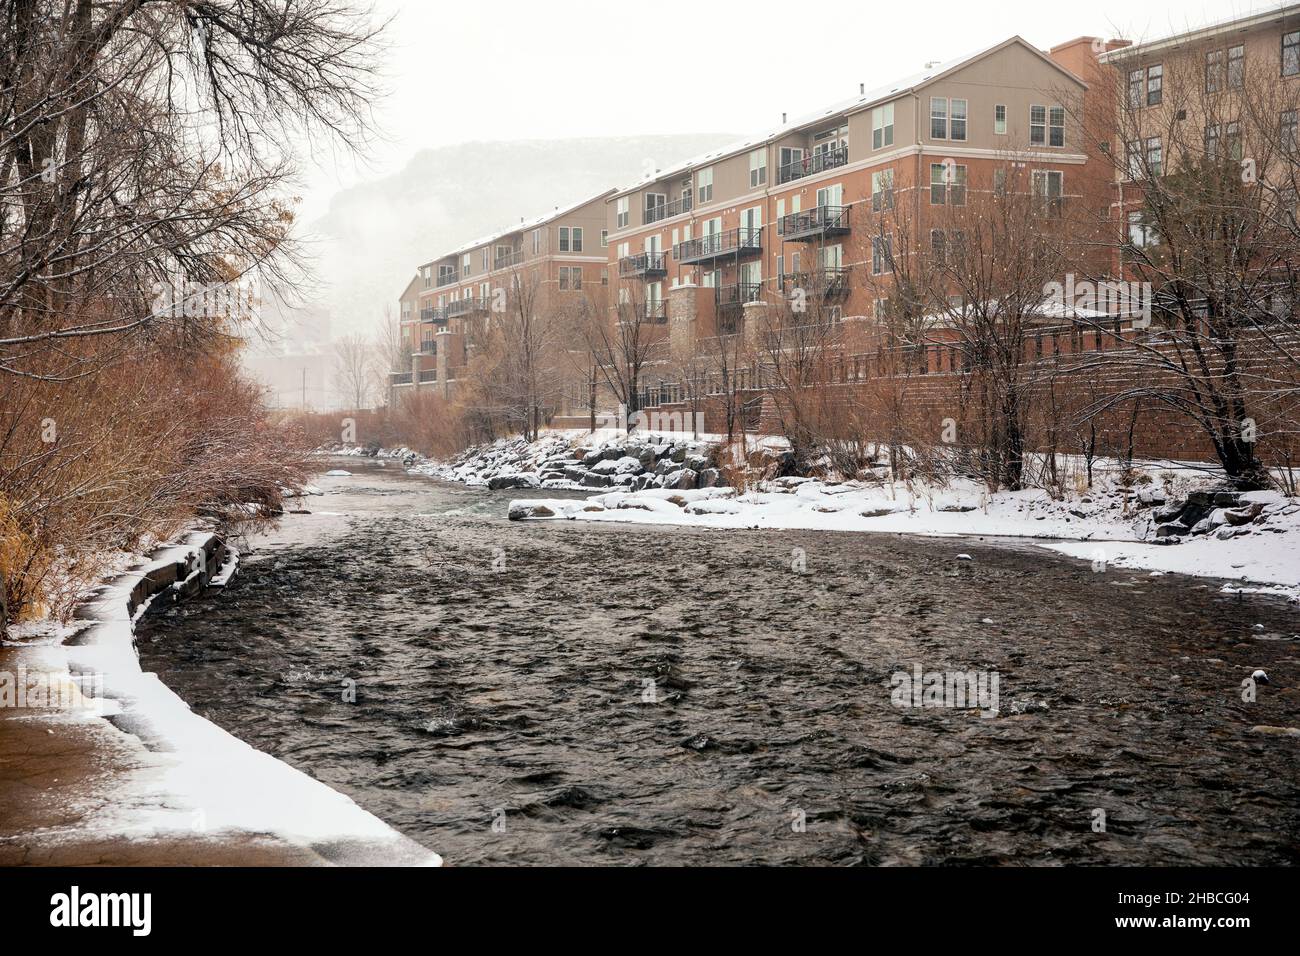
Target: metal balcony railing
{"x":815,"y":223}
{"x":741,"y":242}
{"x":812,"y":163}
{"x":508,"y":260}
{"x":466,"y":306}
{"x":736,"y":296}
{"x":653,"y":214}
{"x":649,"y":265}
{"x":447,"y":278}
{"x":824,"y":283}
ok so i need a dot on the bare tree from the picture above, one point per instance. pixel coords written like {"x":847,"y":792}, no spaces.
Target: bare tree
{"x":1206,"y":163}
{"x":354,"y":371}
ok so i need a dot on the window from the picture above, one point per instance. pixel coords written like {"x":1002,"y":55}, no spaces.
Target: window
{"x":428,"y":278}
{"x":604,"y":238}
{"x":1139,"y":233}
{"x":1134,"y":89}
{"x":1047,"y":191}
{"x":571,"y":278}
{"x":757,"y":168}
{"x":1038,"y":125}
{"x":882,"y":190}
{"x":1223,"y":141}
{"x":1133,"y":154}
{"x":1287,"y":132}
{"x":465,"y":266}
{"x":1155,"y":156}
{"x":622,"y":217}
{"x":1056,"y":126}
{"x":882,"y":126}
{"x":1000,"y":120}
{"x":487,"y":253}
{"x":959,"y":120}
{"x":938,"y":117}
{"x":577,"y":238}
{"x":564,"y":238}
{"x":791,"y":166}
{"x":704,"y":184}
{"x":881,"y":255}
{"x":1214,"y":64}
{"x":1155,"y":84}
{"x":1000,"y":181}
{"x":1291,"y":53}
{"x":937,"y":245}
{"x":947,"y":184}
{"x":537,"y":241}
{"x":688,"y":194}
{"x":654,"y":207}
{"x":1236,"y":67}
{"x":604,"y":277}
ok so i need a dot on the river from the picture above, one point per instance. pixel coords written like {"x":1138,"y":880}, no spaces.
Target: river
{"x":586,"y":693}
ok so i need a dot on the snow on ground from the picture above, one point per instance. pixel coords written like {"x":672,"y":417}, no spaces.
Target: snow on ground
{"x":202,"y":780}
{"x":665,"y":478}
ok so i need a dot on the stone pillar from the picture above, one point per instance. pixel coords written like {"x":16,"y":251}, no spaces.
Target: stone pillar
{"x":756,"y":321}
{"x":683,"y":311}
{"x":443,"y":359}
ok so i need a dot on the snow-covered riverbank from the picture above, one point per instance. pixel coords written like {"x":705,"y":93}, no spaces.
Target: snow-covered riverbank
{"x":1162,"y":518}
{"x":151,"y":775}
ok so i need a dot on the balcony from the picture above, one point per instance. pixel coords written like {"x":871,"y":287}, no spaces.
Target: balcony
{"x":509,"y":261}
{"x":428,"y":347}
{"x":824,"y":222}
{"x":677,"y":207}
{"x":447,"y":278}
{"x":734,"y":243}
{"x":399,"y":378}
{"x":812,"y":163}
{"x":647,"y":265}
{"x":466,"y":307}
{"x":731,"y":301}
{"x":820,"y":284}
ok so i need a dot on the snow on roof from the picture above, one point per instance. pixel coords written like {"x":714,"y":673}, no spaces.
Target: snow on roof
{"x":523,"y":226}
{"x":1194,"y":34}
{"x":854,"y":104}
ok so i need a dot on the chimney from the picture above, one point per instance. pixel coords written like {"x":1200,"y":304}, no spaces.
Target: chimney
{"x":862,"y":89}
{"x":783,"y":119}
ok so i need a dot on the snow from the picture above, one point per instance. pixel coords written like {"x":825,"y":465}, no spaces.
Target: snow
{"x":1107,"y":526}
{"x":204,"y":780}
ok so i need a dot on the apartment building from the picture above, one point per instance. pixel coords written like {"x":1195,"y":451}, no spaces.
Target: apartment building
{"x":557,"y":256}
{"x":1227,"y":91}
{"x":703,"y":245}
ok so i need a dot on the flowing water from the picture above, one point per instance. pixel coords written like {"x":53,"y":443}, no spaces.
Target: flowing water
{"x":551,"y":693}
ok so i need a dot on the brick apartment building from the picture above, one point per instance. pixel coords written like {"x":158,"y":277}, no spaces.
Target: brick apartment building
{"x":560,"y":254}
{"x":1203,"y":93}
{"x":709,"y":247}
{"x":706,"y":244}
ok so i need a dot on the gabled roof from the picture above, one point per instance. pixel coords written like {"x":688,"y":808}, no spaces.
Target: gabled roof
{"x":1190,"y":37}
{"x":856,"y":104}
{"x":523,"y":226}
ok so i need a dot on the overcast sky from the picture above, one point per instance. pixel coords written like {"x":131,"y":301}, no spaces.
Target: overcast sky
{"x":507,"y":69}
